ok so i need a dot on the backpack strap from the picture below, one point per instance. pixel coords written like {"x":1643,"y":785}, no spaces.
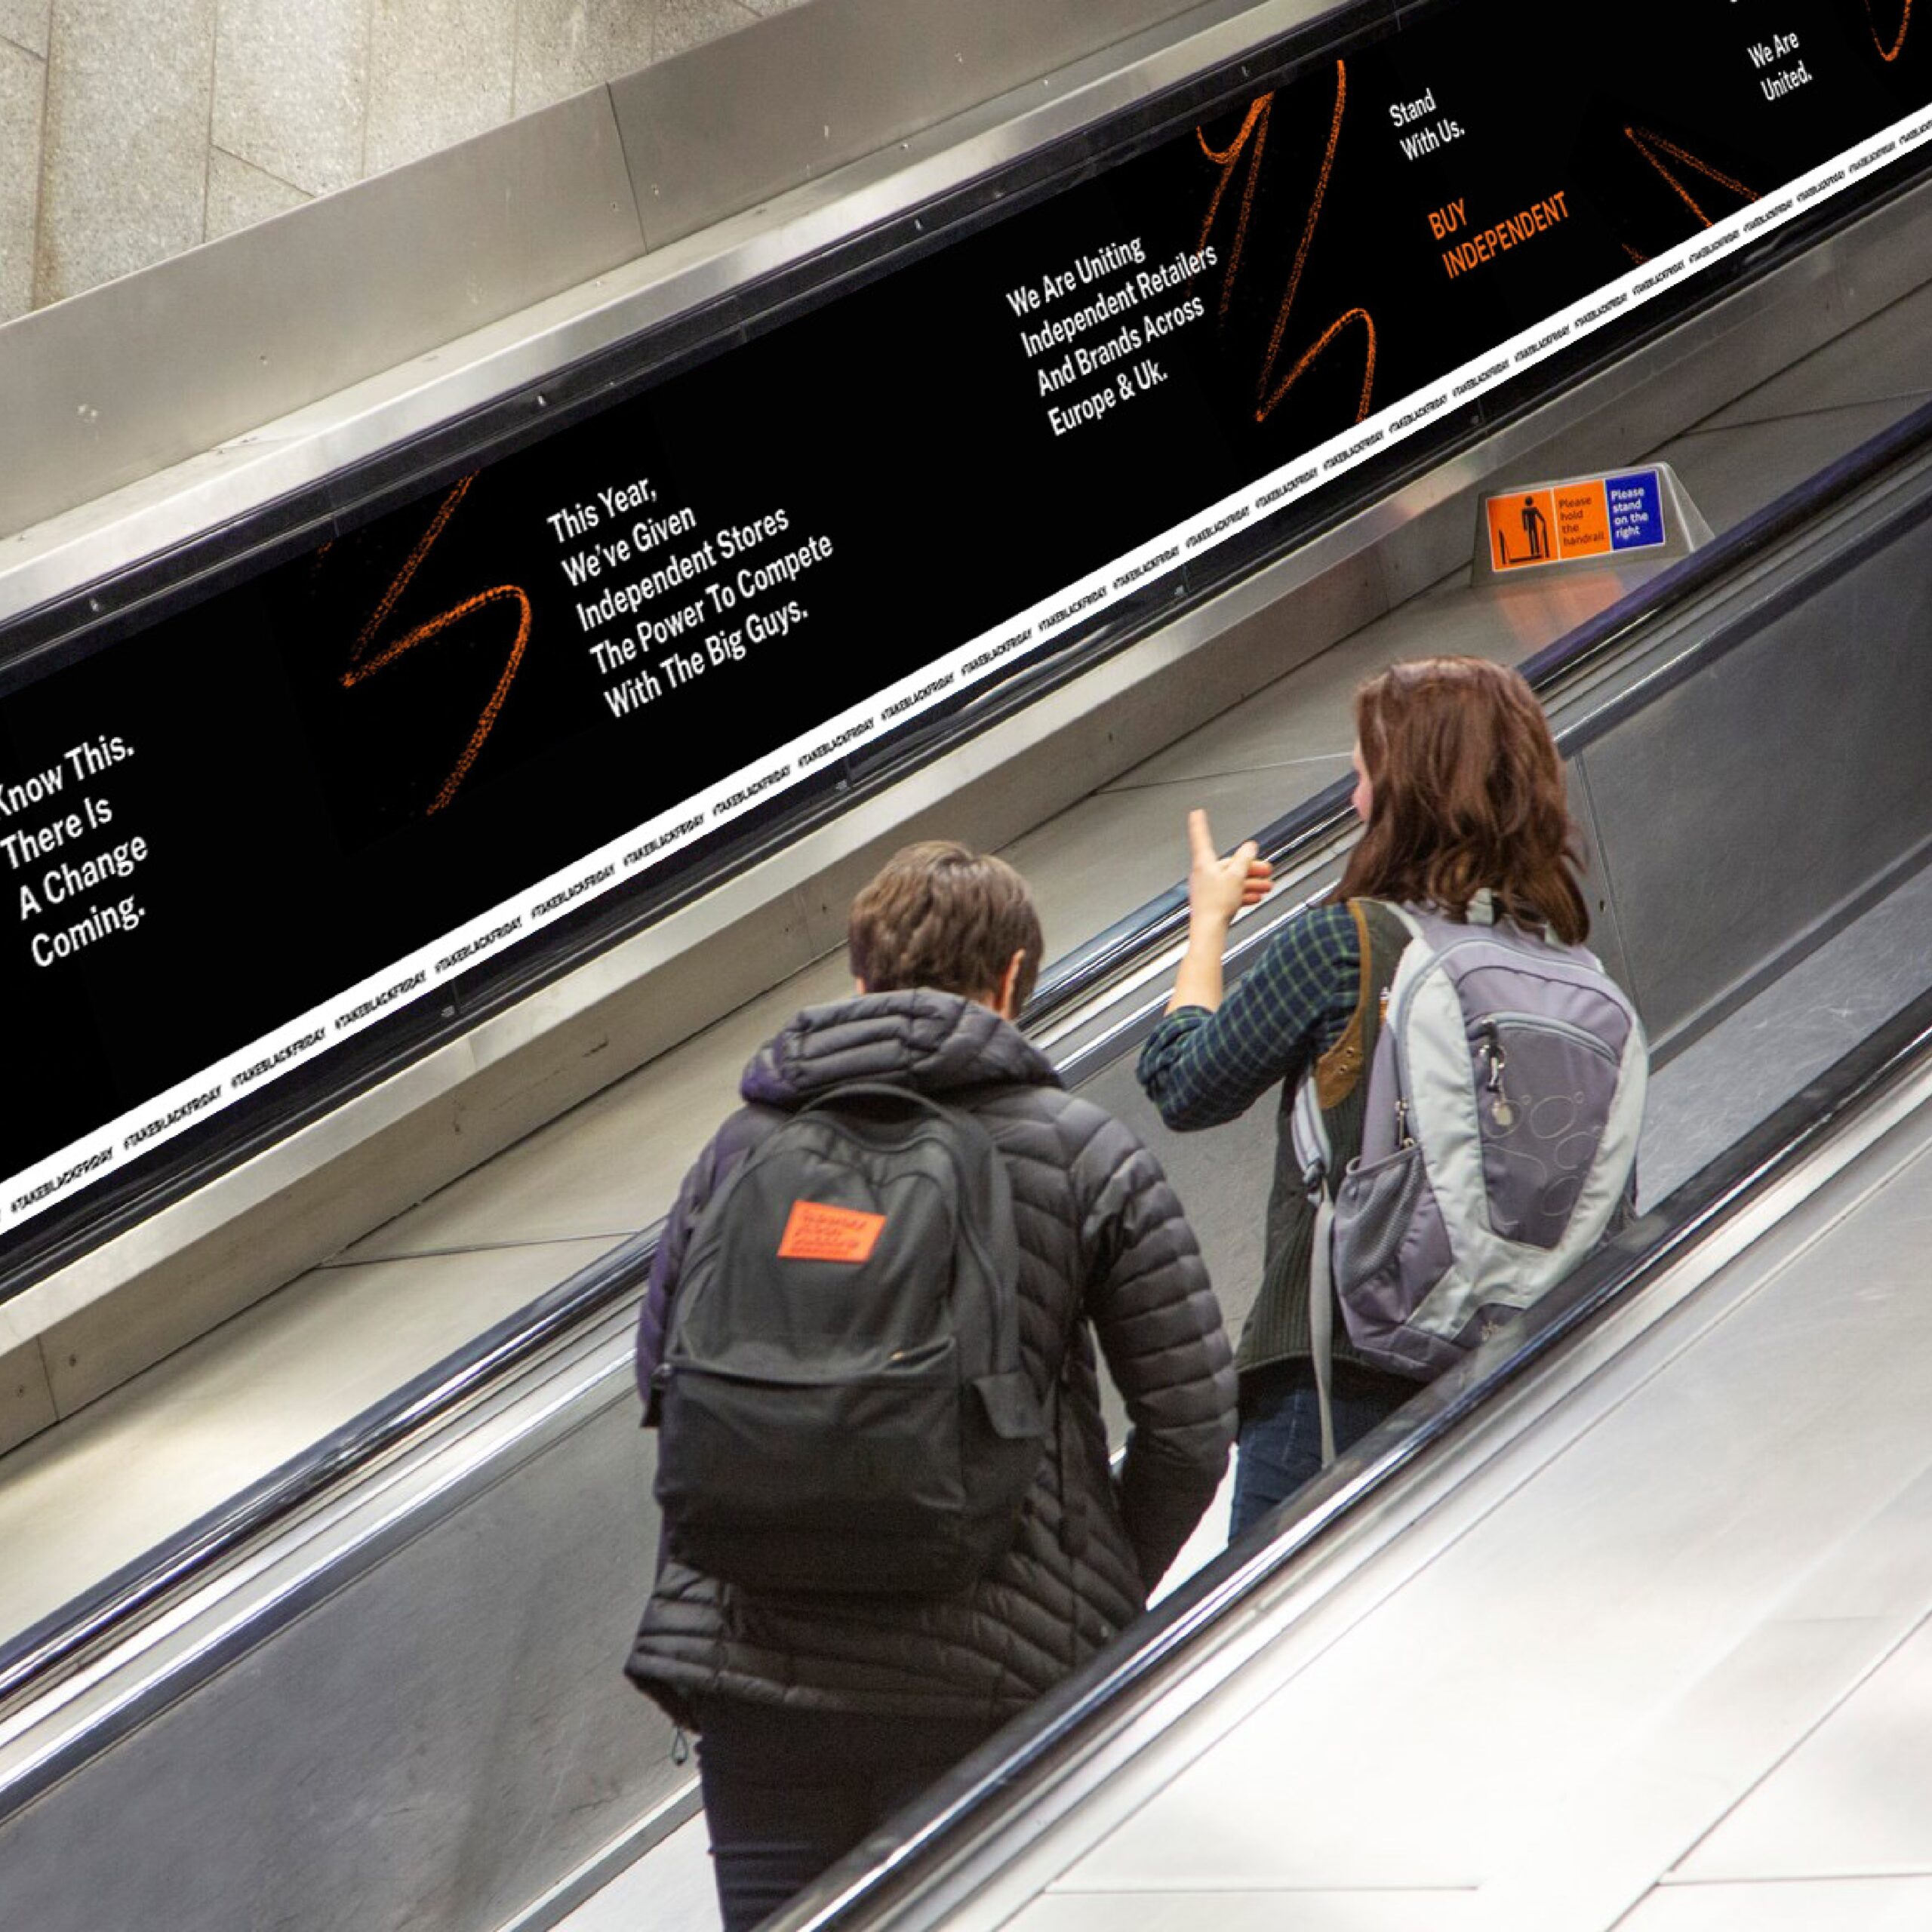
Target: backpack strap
{"x":1321,"y":1321}
{"x":1339,"y":1069}
{"x":1336,"y":1075}
{"x":879,"y":1093}
{"x":1076,"y":1525}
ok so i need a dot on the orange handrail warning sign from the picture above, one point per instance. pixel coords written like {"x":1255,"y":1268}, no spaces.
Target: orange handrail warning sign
{"x":1568,"y":522}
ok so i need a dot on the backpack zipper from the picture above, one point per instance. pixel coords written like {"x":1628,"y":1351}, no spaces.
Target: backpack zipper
{"x":1545,"y":1023}
{"x":1399,"y":1012}
{"x":904,"y":1363}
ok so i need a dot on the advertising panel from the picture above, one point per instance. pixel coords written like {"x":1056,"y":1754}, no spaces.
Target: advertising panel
{"x":231,"y":841}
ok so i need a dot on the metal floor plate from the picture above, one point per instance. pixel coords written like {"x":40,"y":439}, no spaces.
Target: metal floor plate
{"x":1854,"y":1799}
{"x":1839,"y":1905}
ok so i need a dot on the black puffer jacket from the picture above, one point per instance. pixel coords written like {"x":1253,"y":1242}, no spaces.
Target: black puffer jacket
{"x":1099,"y":1230}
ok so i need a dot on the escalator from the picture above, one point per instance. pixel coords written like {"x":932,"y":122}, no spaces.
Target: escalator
{"x":223,"y":1567}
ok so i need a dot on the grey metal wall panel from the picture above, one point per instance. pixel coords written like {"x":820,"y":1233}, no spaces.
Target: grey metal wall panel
{"x":1221,"y":1177}
{"x":1606,"y":920}
{"x":431,"y":1748}
{"x":139,"y":374}
{"x":1744,"y":814}
{"x":443,"y":1738}
{"x":724,"y":126}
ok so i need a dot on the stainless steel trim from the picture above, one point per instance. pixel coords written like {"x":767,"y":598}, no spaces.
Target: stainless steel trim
{"x":111,"y":386}
{"x":594,"y":1873}
{"x":93,"y":538}
{"x":1735,"y":573}
{"x":746,"y":117}
{"x":585,"y":1375}
{"x":105,"y":1316}
{"x":1605,"y":680}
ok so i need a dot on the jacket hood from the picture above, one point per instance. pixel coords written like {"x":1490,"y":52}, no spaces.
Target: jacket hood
{"x":933,"y":1042}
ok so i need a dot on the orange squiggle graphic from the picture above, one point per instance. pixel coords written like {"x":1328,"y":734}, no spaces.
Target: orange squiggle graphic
{"x":1257,"y":125}
{"x":1649,"y":145}
{"x":1892,"y":52}
{"x":361,"y":665}
{"x":1294,"y":279}
{"x":1321,"y":342}
{"x":1252,"y":141}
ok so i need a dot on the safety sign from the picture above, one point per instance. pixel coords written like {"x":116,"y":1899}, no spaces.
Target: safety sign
{"x":1585,"y":517}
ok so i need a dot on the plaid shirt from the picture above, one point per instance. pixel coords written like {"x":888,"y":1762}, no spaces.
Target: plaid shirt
{"x":1201,"y":1068}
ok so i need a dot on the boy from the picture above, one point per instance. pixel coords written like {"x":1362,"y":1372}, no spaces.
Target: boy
{"x":818,"y":1717}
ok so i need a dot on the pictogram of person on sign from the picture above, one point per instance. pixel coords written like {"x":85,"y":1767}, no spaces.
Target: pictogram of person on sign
{"x":1536,"y":526}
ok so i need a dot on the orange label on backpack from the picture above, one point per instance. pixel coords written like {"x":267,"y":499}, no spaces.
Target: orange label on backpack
{"x":816,"y":1232}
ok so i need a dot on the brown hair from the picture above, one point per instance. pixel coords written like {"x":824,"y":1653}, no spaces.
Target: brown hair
{"x":940,"y":915}
{"x":1467,"y":792}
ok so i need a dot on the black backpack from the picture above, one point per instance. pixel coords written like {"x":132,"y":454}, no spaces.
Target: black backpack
{"x":844,"y":1406}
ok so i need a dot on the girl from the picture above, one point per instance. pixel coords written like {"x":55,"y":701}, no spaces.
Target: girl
{"x":1459,"y":787}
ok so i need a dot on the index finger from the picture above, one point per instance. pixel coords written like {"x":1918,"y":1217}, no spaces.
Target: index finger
{"x":1201,"y":838}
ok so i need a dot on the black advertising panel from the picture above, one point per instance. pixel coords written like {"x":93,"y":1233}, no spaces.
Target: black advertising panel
{"x":237,"y":838}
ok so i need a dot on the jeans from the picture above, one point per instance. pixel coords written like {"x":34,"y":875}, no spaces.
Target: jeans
{"x":1281,"y":1429}
{"x":789,"y":1792}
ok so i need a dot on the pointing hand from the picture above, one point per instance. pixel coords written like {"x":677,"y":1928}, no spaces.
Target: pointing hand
{"x":1217,"y":888}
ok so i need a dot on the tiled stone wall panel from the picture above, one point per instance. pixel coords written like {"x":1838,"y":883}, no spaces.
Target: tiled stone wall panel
{"x":124,"y":173}
{"x":23,"y":84}
{"x":291,"y":85}
{"x":440,"y":71}
{"x":683,"y":24}
{"x":239,"y":194}
{"x":169,"y":122}
{"x":565,"y":46}
{"x":24,"y":22}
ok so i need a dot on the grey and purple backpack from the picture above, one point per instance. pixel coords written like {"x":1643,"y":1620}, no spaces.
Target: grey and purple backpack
{"x":1499,"y":1142}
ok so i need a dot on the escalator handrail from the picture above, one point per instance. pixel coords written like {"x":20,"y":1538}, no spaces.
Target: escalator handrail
{"x":35,"y":1655}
